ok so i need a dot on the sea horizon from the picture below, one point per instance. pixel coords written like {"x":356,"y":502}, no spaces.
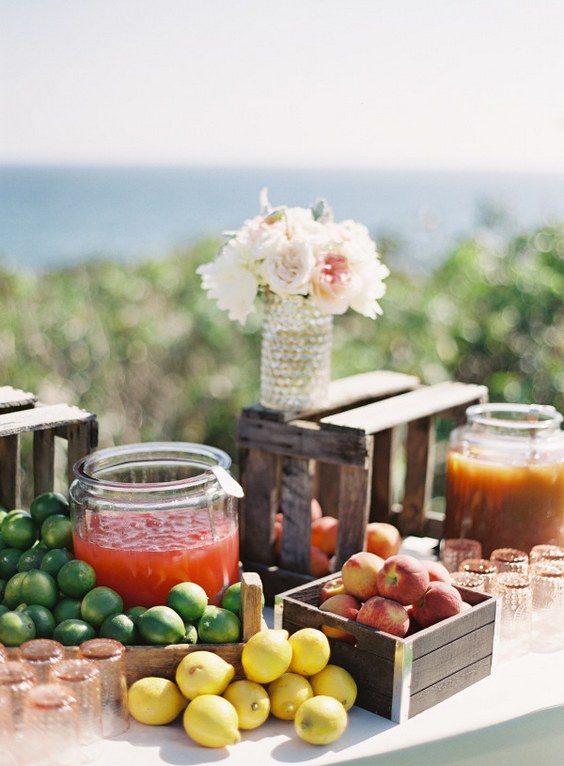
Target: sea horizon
{"x":55,"y":215}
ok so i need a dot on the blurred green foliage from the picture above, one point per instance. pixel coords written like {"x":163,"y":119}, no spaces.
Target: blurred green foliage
{"x":143,"y":347}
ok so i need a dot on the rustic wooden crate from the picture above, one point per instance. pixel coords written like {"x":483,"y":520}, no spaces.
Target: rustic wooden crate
{"x":343,"y":455}
{"x":21,"y":414}
{"x":398,"y":678}
{"x":141,"y":661}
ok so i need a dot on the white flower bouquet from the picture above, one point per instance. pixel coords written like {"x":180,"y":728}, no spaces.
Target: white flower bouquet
{"x":297,"y":251}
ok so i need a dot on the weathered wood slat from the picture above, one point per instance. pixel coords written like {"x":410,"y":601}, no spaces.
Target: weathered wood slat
{"x":420,"y":462}
{"x":259,"y":506}
{"x":353,"y":512}
{"x":10,"y":472}
{"x":297,"y":493}
{"x":41,"y":418}
{"x":43,"y":461}
{"x":12,"y":399}
{"x":423,"y":402}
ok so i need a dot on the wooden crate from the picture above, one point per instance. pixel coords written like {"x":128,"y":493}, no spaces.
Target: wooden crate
{"x":141,"y":661}
{"x":344,"y":455}
{"x":398,"y":678}
{"x":21,"y":414}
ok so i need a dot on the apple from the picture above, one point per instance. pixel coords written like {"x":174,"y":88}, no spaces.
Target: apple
{"x":382,"y":538}
{"x":333,"y":587}
{"x":346,"y":606}
{"x":439,"y":601}
{"x":437,"y":571}
{"x":319,"y":562}
{"x":384,"y":614}
{"x":324,"y":534}
{"x":360,"y":574}
{"x":403,"y":578}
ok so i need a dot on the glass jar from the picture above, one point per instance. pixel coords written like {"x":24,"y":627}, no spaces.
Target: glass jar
{"x":148,"y":516}
{"x":505,"y":477}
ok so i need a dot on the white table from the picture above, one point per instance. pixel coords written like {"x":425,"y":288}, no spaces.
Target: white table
{"x":515,"y":717}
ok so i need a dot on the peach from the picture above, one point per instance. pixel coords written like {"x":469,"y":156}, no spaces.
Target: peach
{"x":384,"y":614}
{"x":316,"y":510}
{"x":333,"y":587}
{"x":360,"y":574}
{"x":403,"y":578}
{"x":277,"y":536}
{"x":324,"y":534}
{"x":344,"y":605}
{"x":439,"y":601}
{"x":437,"y":571}
{"x":319,"y":562}
{"x":382,"y":538}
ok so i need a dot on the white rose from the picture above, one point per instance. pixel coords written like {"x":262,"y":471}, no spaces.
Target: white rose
{"x":288,"y":267}
{"x":369,"y":276}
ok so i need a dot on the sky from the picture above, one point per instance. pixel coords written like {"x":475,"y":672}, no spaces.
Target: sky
{"x":392,"y":84}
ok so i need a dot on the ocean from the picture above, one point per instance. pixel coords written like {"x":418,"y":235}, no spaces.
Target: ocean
{"x":51,"y":217}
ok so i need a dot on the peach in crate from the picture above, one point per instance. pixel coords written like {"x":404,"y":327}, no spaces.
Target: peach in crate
{"x":400,"y":677}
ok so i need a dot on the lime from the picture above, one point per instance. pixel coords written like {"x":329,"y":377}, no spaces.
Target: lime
{"x":188,"y":599}
{"x":99,"y":603}
{"x":54,"y":559}
{"x":2,"y":588}
{"x":15,"y":628}
{"x":13,"y":590}
{"x":48,"y":504}
{"x":155,"y":701}
{"x":219,"y":626}
{"x":134,"y":612}
{"x":73,"y":632}
{"x":38,"y":587}
{"x":120,"y":627}
{"x":190,"y":634}
{"x":231,"y":599}
{"x":160,"y":625}
{"x":19,"y":530}
{"x":75,"y":578}
{"x":31,"y":559}
{"x":67,"y":609}
{"x":3,"y":609}
{"x":43,"y":619}
{"x":9,"y":558}
{"x":56,"y":531}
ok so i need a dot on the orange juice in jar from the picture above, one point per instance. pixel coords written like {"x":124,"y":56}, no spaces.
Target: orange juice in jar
{"x":505,"y":477}
{"x":148,"y":516}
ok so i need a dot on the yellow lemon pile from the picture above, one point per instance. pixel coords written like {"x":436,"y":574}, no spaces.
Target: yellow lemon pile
{"x":287,"y":676}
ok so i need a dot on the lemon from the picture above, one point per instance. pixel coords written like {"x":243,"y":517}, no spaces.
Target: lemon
{"x":155,"y":701}
{"x":203,"y":672}
{"x":320,"y":720}
{"x":335,"y":681}
{"x":251,"y":702}
{"x":287,"y":693}
{"x":310,"y":651}
{"x":266,"y":655}
{"x":211,"y":721}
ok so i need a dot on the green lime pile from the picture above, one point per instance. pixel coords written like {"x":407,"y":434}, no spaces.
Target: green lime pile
{"x":45,"y":592}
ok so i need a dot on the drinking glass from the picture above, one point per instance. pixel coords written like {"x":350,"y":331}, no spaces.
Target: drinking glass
{"x":483,"y":567}
{"x":108,"y":656}
{"x":454,"y":550}
{"x":16,"y":680}
{"x":516,"y":594}
{"x":40,"y":654}
{"x":82,"y":679}
{"x":510,"y":560}
{"x":471,"y":580}
{"x":548,"y":604}
{"x":546,"y":552}
{"x":50,"y":727}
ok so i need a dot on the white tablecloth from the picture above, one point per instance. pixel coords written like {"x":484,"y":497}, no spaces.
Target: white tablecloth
{"x":515,"y":717}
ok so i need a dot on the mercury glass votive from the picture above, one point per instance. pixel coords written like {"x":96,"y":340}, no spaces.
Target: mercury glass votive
{"x":546,"y":552}
{"x":470,"y":580}
{"x":483,"y":567}
{"x":547,"y":580}
{"x":516,"y":594}
{"x":510,"y":560}
{"x":454,"y":550}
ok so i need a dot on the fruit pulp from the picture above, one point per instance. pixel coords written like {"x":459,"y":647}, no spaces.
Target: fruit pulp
{"x":143,"y":555}
{"x":504,"y":504}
